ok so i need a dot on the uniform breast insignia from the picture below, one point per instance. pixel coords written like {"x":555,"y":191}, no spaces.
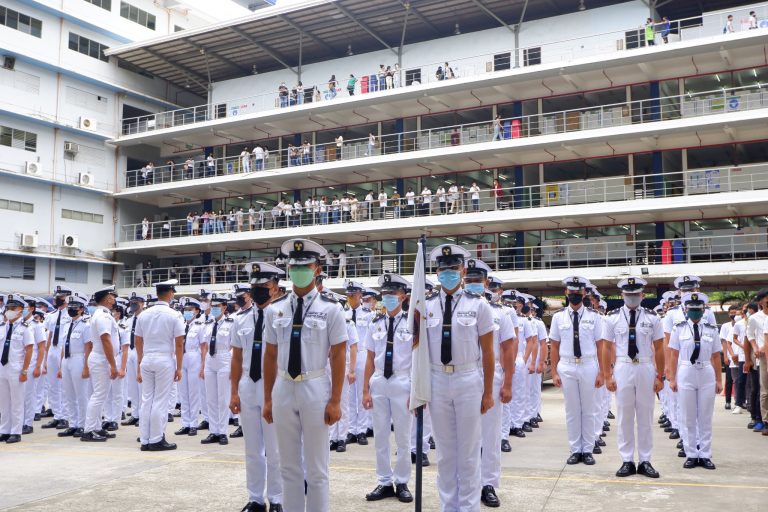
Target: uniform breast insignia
{"x":682,"y":322}
{"x":229,"y":319}
{"x":496,"y":305}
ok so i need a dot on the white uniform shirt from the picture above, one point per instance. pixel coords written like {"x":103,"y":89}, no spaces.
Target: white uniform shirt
{"x":590,"y":331}
{"x":50,"y":324}
{"x":81,"y":334}
{"x":739,"y":330}
{"x":682,"y":339}
{"x":471,"y":317}
{"x":159,"y":326}
{"x":102,"y":322}
{"x":647,"y":330}
{"x":402,"y":342}
{"x":677,"y":315}
{"x":503,"y":330}
{"x":242,"y":334}
{"x":756,"y":328}
{"x":224,"y":332}
{"x":21,"y":337}
{"x":323,"y":327}
{"x":361,"y":317}
{"x":194,"y":336}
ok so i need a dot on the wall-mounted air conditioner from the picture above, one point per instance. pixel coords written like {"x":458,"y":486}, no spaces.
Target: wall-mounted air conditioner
{"x":70,"y":241}
{"x":29,"y":240}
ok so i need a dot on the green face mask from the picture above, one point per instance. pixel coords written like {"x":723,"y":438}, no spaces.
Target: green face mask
{"x":301,"y":276}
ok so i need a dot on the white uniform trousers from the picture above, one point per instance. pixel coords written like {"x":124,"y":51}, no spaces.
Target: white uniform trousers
{"x":113,"y":408}
{"x":132,"y":387}
{"x":601,"y":413}
{"x":189,"y":389}
{"x":426,"y":432}
{"x":635,"y":400}
{"x":456,"y":424}
{"x":578,"y":380}
{"x":204,"y":400}
{"x":54,"y":384}
{"x":696,"y":399}
{"x":664,"y":398}
{"x":262,"y":460}
{"x":302,"y":435}
{"x":218,"y":391}
{"x":517,"y":407}
{"x":390,"y":407}
{"x":75,"y":390}
{"x":534,"y":395}
{"x":490,"y":461}
{"x":157,"y":372}
{"x":506,"y":416}
{"x":173,"y":397}
{"x":338,"y":431}
{"x":99,"y":370}
{"x":41,"y":392}
{"x":674,"y":409}
{"x":11,"y":400}
{"x":30,"y":397}
{"x":359,"y":417}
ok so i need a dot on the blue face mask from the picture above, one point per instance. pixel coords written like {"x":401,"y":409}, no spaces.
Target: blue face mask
{"x":390,"y":302}
{"x":449,"y":279}
{"x":91,"y":310}
{"x":476,"y":288}
{"x":695,"y":314}
{"x":215,"y":311}
{"x":189,"y":315}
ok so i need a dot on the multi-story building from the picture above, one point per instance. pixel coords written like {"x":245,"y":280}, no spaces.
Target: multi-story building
{"x":594,"y":151}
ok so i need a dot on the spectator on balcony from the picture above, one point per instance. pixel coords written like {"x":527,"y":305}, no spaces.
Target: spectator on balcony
{"x":188,"y":168}
{"x":298,"y":211}
{"x":396,"y":76}
{"x":464,"y":199}
{"x":497,"y":128}
{"x":296,"y":155}
{"x":339,"y":146}
{"x":190,"y":224}
{"x":448,"y":70}
{"x":245,"y":160}
{"x":342,"y":265}
{"x":410,"y":202}
{"x":426,"y":201}
{"x":388,"y":78}
{"x":196,"y":224}
{"x":309,"y":211}
{"x":232,"y":220}
{"x":335,"y":210}
{"x":474,"y":191}
{"x":221,"y":221}
{"x":206,"y":217}
{"x":210,"y":165}
{"x":299,"y":93}
{"x":288,"y":213}
{"x":282,"y":93}
{"x":497,"y":193}
{"x":382,"y":204}
{"x":354,"y":208}
{"x":145,"y":229}
{"x":138,"y":275}
{"x":258,"y":157}
{"x":166,"y":227}
{"x":441,"y":199}
{"x":306,"y":152}
{"x":262,"y":214}
{"x":665,"y":29}
{"x":351,"y":83}
{"x":148,"y":273}
{"x":368,"y":205}
{"x":276,"y":212}
{"x":453,"y":198}
{"x":455,"y":137}
{"x":146,"y":175}
{"x":239,"y":216}
{"x":170,"y":166}
{"x":251,"y":217}
{"x":728,"y":28}
{"x":332,"y":85}
{"x":323,"y":210}
{"x":650,"y":33}
{"x":752,"y":20}
{"x":394,"y":201}
{"x":380,"y":77}
{"x":371,"y":144}
{"x":345,"y":215}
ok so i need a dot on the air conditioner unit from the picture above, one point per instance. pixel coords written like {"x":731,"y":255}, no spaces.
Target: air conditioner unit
{"x":86,"y":179}
{"x":29,"y":240}
{"x":71,"y":147}
{"x":70,"y":241}
{"x":33,"y":168}
{"x":86,"y":123}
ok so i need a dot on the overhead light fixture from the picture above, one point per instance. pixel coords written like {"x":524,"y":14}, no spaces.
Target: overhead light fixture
{"x":186,"y":84}
{"x":456,"y":30}
{"x":582,"y":7}
{"x":349,"y":50}
{"x":254,"y":70}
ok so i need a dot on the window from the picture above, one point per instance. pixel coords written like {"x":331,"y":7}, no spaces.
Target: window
{"x":71,"y":271}
{"x":87,"y":47}
{"x":413,"y":75}
{"x":18,"y":139}
{"x":136,"y":15}
{"x":106,"y":274}
{"x":17,"y":267}
{"x":21,"y":22}
{"x":83,"y":216}
{"x":104,"y":4}
{"x":16,"y":206}
{"x":502,"y":61}
{"x":532,"y":56}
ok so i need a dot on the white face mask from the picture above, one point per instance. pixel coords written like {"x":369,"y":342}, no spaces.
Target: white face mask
{"x":12,"y":315}
{"x":633,"y":300}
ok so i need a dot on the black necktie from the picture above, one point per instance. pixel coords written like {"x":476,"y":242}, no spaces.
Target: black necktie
{"x":56,"y":330}
{"x":255,"y":369}
{"x":133,"y":332}
{"x":294,"y":354}
{"x":390,"y":348}
{"x":6,"y":345}
{"x":69,"y":335}
{"x":632,"y":351}
{"x":445,"y":343}
{"x":186,"y":331}
{"x":696,"y":344}
{"x":212,"y":344}
{"x":354,"y":316}
{"x":576,"y":342}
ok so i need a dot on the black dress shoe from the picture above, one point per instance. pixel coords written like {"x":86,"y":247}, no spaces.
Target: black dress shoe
{"x":183,"y":431}
{"x":588,"y":459}
{"x":597,"y":450}
{"x":37,"y":416}
{"x":626,"y":469}
{"x":341,"y":447}
{"x":275,"y":507}
{"x":192,"y":432}
{"x":67,"y":433}
{"x":161,"y":446}
{"x":233,"y":422}
{"x":690,"y":463}
{"x":144,"y":448}
{"x":666,"y":424}
{"x":505,"y":447}
{"x":705,"y":463}
{"x":646,"y":469}
{"x":223,"y":440}
{"x":111,"y":426}
{"x":380,"y":492}
{"x":51,"y":424}
{"x":600,"y":442}
{"x":47,"y":413}
{"x":538,"y":418}
{"x":170,"y":418}
{"x":203,"y":425}
{"x":517,"y":432}
{"x":132,"y":421}
{"x":369,"y":432}
{"x":334,"y":445}
{"x":679,"y":445}
{"x":212,"y":438}
{"x":252,"y":506}
{"x":104,"y":425}
{"x":488,"y":497}
{"x":675,"y":434}
{"x":362,"y":440}
{"x":575,"y":458}
{"x":606,"y":423}
{"x":15,"y":438}
{"x":662,"y":419}
{"x":92,"y":437}
{"x":78,"y":433}
{"x":403,"y":494}
{"x":351,"y":438}
{"x":237,"y":433}
{"x":681,"y":453}
{"x":431,"y":442}
{"x":727,"y":406}
{"x":603,"y":434}
{"x":527,"y":427}
{"x":4,"y":437}
{"x":104,"y":433}
{"x":27,"y":429}
{"x":533,"y":423}
{"x":606,"y":428}
{"x":611,"y":416}
{"x":669,"y":429}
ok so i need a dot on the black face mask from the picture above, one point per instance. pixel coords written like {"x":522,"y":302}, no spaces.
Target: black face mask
{"x":230,"y":308}
{"x":58,"y":302}
{"x":525,"y":310}
{"x":73,"y":312}
{"x":575,"y":298}
{"x":260,"y":295}
{"x":240,"y":301}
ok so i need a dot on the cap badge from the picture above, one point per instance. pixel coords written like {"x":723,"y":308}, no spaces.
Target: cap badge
{"x":298,"y":246}
{"x":446,"y":251}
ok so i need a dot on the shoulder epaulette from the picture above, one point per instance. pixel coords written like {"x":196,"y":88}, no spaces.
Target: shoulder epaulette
{"x":279,"y":299}
{"x":366,"y":310}
{"x":242,"y":312}
{"x":613,"y":311}
{"x":377,"y":318}
{"x":328,"y":298}
{"x":25,"y":324}
{"x":229,"y":319}
{"x":495,"y":305}
{"x":473,"y":294}
{"x":2,"y":324}
{"x":681,"y":322}
{"x":592,"y":309}
{"x":650,"y":312}
{"x":433,"y":296}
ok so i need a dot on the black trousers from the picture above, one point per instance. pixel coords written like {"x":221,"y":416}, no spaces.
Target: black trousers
{"x":754,"y":394}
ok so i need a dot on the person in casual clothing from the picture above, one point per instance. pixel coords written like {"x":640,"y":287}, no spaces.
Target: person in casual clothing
{"x":650,"y":33}
{"x":474,"y":190}
{"x":351,"y":82}
{"x":332,"y":84}
{"x":497,"y":128}
{"x":665,"y":28}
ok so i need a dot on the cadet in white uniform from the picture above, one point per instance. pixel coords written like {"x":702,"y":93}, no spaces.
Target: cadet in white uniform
{"x":360,"y":315}
{"x":17,"y":337}
{"x":132,"y":387}
{"x":74,"y":386}
{"x":387,"y":387}
{"x":460,"y":336}
{"x":159,"y":350}
{"x":113,"y":407}
{"x":534,"y":391}
{"x":262,"y":461}
{"x":633,"y":365}
{"x":100,"y":361}
{"x":303,"y":329}
{"x":218,"y":361}
{"x":504,"y":354}
{"x":56,"y":325}
{"x":697,"y":378}
{"x":527,"y":348}
{"x":38,"y":350}
{"x":339,"y":431}
{"x":575,"y":335}
{"x":192,"y":370}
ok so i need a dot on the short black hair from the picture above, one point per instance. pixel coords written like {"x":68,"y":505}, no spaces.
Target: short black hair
{"x":761,"y":294}
{"x":753,"y":306}
{"x":734,"y":307}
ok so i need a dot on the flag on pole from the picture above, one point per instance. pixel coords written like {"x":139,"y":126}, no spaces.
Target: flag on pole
{"x":421,"y":382}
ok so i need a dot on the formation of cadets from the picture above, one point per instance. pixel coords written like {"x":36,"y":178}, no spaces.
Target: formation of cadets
{"x":298,"y":371}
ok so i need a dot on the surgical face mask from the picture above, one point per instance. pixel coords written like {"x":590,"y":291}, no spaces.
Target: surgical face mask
{"x":240,"y":301}
{"x":575,"y":298}
{"x":12,"y":315}
{"x":632,"y":300}
{"x":260,"y":295}
{"x":476,"y":288}
{"x":449,"y":279}
{"x":301,"y":276}
{"x":59,"y":301}
{"x":695,"y":314}
{"x":215,"y":311}
{"x":91,"y":310}
{"x":73,"y":312}
{"x":189,"y":315}
{"x":390,"y":302}
{"x":495,"y":296}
